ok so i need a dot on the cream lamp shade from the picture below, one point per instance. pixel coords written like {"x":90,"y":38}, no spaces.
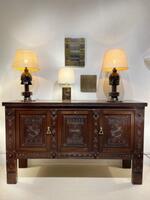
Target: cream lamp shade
{"x":66,"y":76}
{"x":25,"y":58}
{"x":114,"y":58}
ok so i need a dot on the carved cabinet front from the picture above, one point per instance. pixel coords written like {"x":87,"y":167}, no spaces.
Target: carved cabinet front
{"x":74,"y":134}
{"x":74,"y":130}
{"x":31,"y":130}
{"x":118,"y":130}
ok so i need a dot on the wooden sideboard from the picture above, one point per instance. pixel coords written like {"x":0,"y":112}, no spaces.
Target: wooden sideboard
{"x":94,"y":130}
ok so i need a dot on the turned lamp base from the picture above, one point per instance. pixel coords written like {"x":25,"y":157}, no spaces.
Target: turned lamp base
{"x":27,"y":94}
{"x":114,"y":81}
{"x":114,"y":96}
{"x":26,"y":80}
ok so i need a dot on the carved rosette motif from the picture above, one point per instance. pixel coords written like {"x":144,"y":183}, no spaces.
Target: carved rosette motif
{"x":54,"y":137}
{"x":137,"y":165}
{"x":96,"y":121}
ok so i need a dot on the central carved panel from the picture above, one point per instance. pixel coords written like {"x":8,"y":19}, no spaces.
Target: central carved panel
{"x":74,"y":130}
{"x":73,"y":135}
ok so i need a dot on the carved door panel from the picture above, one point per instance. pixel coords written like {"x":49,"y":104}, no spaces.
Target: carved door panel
{"x":74,"y":134}
{"x":117,"y":130}
{"x":31,"y":129}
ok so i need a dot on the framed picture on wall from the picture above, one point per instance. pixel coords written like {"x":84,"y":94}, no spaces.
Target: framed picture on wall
{"x":75,"y":52}
{"x":88,"y":83}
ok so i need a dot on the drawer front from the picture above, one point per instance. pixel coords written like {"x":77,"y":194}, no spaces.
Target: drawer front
{"x":118,"y":130}
{"x":74,"y":132}
{"x":31,"y":127}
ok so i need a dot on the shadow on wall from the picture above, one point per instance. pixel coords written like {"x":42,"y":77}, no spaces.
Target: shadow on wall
{"x":147,"y":62}
{"x":146,"y":58}
{"x":124,"y":88}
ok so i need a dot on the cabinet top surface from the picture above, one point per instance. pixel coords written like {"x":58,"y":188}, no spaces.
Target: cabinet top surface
{"x":80,"y":103}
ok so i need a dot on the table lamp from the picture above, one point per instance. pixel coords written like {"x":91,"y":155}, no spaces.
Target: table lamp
{"x":26,"y":60}
{"x":114,"y":60}
{"x":66,"y":77}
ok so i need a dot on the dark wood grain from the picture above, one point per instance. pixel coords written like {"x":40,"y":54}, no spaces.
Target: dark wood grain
{"x":78,"y":129}
{"x":23,"y":163}
{"x":126,"y":164}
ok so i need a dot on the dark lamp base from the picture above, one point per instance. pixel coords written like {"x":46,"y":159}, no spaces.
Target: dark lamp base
{"x":66,"y":93}
{"x":27,"y":95}
{"x":114,"y":96}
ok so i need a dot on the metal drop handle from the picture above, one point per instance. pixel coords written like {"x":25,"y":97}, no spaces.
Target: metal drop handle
{"x":49,"y":131}
{"x":100,"y":132}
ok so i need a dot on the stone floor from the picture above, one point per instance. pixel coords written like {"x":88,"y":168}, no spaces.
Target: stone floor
{"x":74,"y":181}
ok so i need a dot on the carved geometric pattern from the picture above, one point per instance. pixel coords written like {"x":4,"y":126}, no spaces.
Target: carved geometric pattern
{"x":116,"y":155}
{"x":21,"y":155}
{"x":54,"y":135}
{"x":96,"y":142}
{"x":11,"y":161}
{"x":26,"y":155}
{"x":121,"y":138}
{"x":75,"y":155}
{"x":137,"y":164}
{"x":117,"y":128}
{"x":10,"y":129}
{"x":139,"y":118}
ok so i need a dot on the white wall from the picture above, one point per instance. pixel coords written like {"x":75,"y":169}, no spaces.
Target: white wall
{"x":42,"y":25}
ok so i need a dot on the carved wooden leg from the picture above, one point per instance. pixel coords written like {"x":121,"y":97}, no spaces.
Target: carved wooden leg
{"x":137,"y":168}
{"x":23,"y":163}
{"x":11,"y":169}
{"x":126,"y":164}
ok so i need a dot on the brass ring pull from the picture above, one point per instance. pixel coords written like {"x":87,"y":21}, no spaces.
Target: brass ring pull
{"x":100,"y":132}
{"x":49,"y":131}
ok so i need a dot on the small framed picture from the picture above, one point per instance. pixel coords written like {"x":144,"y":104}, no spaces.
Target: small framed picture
{"x":75,"y":52}
{"x":88,"y":83}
